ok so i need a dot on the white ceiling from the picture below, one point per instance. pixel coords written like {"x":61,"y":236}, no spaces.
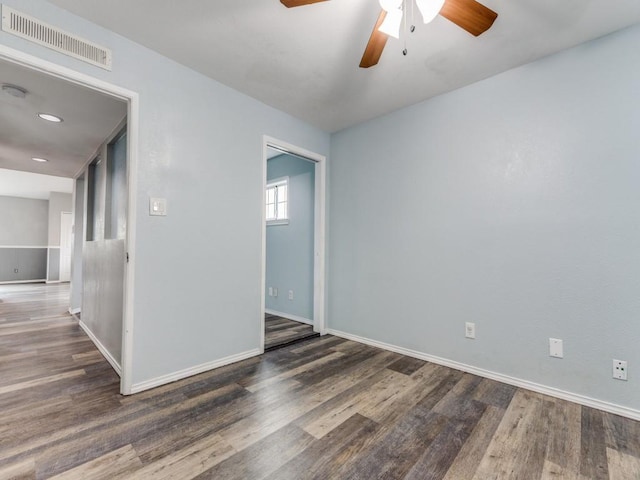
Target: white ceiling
{"x":304,"y":60}
{"x":89,"y":118}
{"x":32,"y":185}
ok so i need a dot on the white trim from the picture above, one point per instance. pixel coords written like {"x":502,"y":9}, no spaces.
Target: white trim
{"x":273,"y":223}
{"x":499,"y":377}
{"x":319,"y":240}
{"x":34,"y":63}
{"x":37,"y":280}
{"x":105,"y":353}
{"x":55,"y":281}
{"x":289,"y":316}
{"x":74,"y":311}
{"x":133,"y":122}
{"x":195,"y":370}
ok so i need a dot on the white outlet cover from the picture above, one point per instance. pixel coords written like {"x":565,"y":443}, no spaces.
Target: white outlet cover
{"x":470,"y":330}
{"x":619,"y":369}
{"x":555,"y":348}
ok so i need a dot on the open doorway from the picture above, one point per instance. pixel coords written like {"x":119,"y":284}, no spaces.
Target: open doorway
{"x":293,"y":245}
{"x":107,"y":125}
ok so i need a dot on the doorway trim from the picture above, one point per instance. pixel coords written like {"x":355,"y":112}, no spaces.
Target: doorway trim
{"x":319,"y":240}
{"x":133,"y":106}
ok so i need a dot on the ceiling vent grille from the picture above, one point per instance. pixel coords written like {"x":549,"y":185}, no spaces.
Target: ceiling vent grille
{"x":37,"y":31}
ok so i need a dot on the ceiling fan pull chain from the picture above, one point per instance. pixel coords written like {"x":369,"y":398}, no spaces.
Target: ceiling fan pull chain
{"x":413,"y":25}
{"x":404,"y":18}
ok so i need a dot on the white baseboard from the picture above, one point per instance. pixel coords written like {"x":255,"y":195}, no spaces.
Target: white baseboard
{"x":105,"y":353}
{"x":289,"y":316}
{"x":188,"y":372}
{"x":516,"y":382}
{"x":74,"y":311}
{"x":52,"y":281}
{"x":23,"y":281}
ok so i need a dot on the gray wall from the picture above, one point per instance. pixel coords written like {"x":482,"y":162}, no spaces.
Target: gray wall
{"x":75,"y":301}
{"x":103,"y":258}
{"x":290,"y":247}
{"x":24,"y":221}
{"x":200,"y":145}
{"x":58,"y":202}
{"x":512,"y":203}
{"x":116,"y":205}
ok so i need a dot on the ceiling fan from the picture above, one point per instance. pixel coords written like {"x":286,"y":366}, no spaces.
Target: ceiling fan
{"x":469,"y":15}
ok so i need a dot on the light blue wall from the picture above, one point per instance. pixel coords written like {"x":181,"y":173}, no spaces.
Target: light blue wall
{"x":290,"y":247}
{"x":513,"y":203}
{"x":197,"y":281}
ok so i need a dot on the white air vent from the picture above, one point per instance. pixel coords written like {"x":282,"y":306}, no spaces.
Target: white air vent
{"x":42,"y":33}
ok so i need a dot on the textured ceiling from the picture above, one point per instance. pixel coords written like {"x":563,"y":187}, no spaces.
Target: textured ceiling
{"x":89,"y":118}
{"x":304,"y":60}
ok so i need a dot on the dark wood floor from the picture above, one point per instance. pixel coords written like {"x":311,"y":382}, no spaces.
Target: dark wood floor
{"x":325,"y":408}
{"x":282,"y":331}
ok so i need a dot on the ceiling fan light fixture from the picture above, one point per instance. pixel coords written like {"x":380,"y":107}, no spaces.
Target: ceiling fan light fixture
{"x":429,"y":9}
{"x":391,"y":24}
{"x":390,"y":5}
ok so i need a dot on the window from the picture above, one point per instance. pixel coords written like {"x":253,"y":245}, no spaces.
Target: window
{"x":278,"y":201}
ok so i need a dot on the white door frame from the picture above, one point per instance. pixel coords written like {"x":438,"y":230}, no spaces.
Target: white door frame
{"x":319,"y":321}
{"x":37,"y":64}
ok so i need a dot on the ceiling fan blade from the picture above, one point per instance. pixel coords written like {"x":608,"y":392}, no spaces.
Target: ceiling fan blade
{"x":299,"y":3}
{"x":470,"y":15}
{"x":376,"y":44}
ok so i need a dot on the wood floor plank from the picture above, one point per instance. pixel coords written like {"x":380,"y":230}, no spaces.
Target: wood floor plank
{"x":621,"y":434}
{"x":282,"y":331}
{"x":387,"y":385}
{"x":622,"y":466}
{"x":393,"y":455}
{"x":187,"y":462}
{"x":115,"y":465}
{"x":263,"y":457}
{"x":563,"y":445}
{"x":438,"y":457}
{"x":40,"y":381}
{"x":318,"y":363}
{"x":517,"y":442}
{"x":470,"y":455}
{"x":324,"y":457}
{"x":20,"y":470}
{"x":593,"y":456}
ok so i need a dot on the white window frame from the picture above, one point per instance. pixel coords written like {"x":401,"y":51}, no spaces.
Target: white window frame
{"x":277,"y":182}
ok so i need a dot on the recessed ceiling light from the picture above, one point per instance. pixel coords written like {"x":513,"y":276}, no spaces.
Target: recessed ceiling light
{"x":38,"y":159}
{"x":14,"y":90}
{"x":49,"y":117}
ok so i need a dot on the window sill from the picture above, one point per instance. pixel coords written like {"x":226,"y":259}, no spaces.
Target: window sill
{"x":277,"y":222}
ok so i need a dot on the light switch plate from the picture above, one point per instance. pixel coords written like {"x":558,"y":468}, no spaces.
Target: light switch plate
{"x":157,"y":206}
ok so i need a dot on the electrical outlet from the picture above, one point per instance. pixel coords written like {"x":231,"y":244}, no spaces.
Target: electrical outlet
{"x":620,"y":369}
{"x":271,"y":291}
{"x":275,"y":292}
{"x":470,"y":330}
{"x":555,"y":348}
{"x":290,"y":294}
